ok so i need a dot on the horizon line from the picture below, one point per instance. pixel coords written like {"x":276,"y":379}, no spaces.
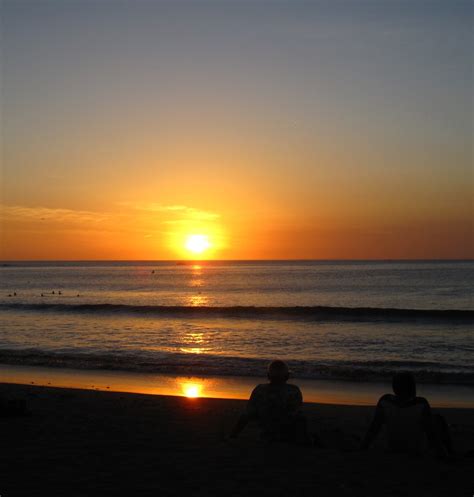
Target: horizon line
{"x":191,"y":261}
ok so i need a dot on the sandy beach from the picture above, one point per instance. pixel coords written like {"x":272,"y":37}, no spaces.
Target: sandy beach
{"x":95,"y":443}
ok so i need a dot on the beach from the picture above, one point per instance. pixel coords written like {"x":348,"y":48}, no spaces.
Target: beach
{"x":87,"y":443}
{"x":222,"y":213}
{"x":135,"y":373}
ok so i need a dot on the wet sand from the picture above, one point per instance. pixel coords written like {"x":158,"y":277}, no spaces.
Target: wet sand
{"x":95,"y":443}
{"x":320,"y":391}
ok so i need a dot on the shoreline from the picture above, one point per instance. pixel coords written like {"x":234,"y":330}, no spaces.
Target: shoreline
{"x":320,"y":391}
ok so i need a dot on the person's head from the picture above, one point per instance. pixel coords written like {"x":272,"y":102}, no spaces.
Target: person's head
{"x":404,"y":384}
{"x":278,"y":372}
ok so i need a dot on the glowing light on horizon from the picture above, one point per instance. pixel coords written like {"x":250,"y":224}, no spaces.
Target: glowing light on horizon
{"x":191,"y":390}
{"x":197,"y":244}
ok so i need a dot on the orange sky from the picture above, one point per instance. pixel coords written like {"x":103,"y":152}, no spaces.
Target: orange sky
{"x":320,"y":131}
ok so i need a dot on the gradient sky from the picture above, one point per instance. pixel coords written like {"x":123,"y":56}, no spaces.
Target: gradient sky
{"x":282,"y":129}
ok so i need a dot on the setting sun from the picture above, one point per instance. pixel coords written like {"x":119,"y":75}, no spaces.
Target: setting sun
{"x":197,"y":243}
{"x":191,"y":390}
{"x":197,"y":240}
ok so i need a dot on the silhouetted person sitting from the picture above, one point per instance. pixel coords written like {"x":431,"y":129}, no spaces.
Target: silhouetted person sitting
{"x":276,"y":407}
{"x":408,"y":419}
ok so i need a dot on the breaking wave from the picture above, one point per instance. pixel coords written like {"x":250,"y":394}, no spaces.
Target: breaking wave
{"x":203,"y":364}
{"x":310,"y":313}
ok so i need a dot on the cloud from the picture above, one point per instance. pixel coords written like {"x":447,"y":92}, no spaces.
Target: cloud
{"x":21,"y":212}
{"x":182,"y":211}
{"x":176,"y":216}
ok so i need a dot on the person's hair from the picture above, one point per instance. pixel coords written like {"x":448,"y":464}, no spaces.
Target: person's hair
{"x":278,"y":372}
{"x":404,"y":384}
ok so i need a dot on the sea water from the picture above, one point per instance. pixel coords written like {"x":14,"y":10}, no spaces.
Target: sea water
{"x":358,"y":320}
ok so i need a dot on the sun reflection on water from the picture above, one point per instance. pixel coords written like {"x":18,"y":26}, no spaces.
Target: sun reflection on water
{"x":195,"y":340}
{"x":197,"y":300}
{"x":196,"y":276}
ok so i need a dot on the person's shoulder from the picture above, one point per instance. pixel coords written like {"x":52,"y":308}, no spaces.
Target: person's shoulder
{"x":387,"y":398}
{"x":421,"y":401}
{"x":390,"y":400}
{"x":293,"y":389}
{"x":260,"y":388}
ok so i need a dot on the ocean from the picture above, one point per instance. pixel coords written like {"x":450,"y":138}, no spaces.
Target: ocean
{"x":340,"y":320}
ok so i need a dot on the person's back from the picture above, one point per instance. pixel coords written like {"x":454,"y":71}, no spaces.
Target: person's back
{"x":408,"y":420}
{"x":275,"y":406}
{"x":405,"y":421}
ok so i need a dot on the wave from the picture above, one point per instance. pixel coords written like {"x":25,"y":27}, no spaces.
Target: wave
{"x":203,"y":364}
{"x":312,"y":313}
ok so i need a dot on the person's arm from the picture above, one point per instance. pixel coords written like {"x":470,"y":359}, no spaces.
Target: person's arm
{"x":299,"y":400}
{"x":375,"y":426}
{"x":240,"y":425}
{"x":295,"y":402}
{"x":428,"y":426}
{"x":245,"y":417}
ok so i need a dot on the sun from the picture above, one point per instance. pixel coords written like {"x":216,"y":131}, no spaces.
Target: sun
{"x":191,"y":390}
{"x":197,"y":244}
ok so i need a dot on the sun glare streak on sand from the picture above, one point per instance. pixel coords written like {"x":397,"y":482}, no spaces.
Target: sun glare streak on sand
{"x":321,"y":391}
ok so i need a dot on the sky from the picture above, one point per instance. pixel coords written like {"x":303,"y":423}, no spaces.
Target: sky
{"x":276,"y":129}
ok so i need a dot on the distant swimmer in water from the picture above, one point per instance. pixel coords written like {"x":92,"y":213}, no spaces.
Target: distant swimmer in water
{"x":408,"y":421}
